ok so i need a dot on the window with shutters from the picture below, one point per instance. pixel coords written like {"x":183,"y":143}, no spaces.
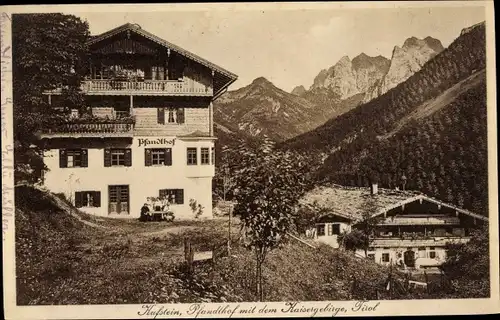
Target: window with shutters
{"x":213,"y":156}
{"x":87,"y":199}
{"x":73,"y":158}
{"x":385,"y":257}
{"x":117,"y":157}
{"x":320,"y":229}
{"x":192,"y":157}
{"x":170,"y":115}
{"x":205,"y":156}
{"x":155,"y":157}
{"x":174,"y":196}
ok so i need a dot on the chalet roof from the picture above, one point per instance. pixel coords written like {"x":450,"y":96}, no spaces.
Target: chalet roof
{"x":137,"y":29}
{"x":351,"y":202}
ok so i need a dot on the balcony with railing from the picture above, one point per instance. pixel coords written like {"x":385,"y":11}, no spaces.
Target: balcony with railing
{"x":121,"y":127}
{"x":146,"y":87}
{"x":417,"y":242}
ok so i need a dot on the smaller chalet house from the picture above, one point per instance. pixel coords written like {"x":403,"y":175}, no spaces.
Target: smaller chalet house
{"x":412,"y":230}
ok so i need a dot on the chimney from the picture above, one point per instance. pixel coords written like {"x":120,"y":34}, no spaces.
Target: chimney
{"x":374,"y":188}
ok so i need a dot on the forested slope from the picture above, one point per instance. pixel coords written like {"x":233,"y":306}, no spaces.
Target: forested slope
{"x":440,"y":150}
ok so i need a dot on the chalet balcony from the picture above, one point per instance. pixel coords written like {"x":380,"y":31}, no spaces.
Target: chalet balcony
{"x":422,"y":242}
{"x":89,"y":128}
{"x":146,"y":87}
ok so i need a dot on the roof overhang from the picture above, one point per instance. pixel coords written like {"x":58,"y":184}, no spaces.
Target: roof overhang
{"x":431,"y":200}
{"x":223,"y":75}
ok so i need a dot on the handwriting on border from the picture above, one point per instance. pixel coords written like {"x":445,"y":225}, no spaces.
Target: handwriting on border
{"x":7,"y":149}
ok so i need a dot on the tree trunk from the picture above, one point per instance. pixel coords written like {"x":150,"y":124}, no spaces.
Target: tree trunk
{"x":257,"y":275}
{"x":229,"y":233}
{"x":259,"y":255}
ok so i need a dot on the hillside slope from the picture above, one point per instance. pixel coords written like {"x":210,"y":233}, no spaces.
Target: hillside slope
{"x":61,"y":261}
{"x":433,"y":111}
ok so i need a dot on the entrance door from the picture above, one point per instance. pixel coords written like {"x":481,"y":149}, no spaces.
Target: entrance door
{"x":118,"y":199}
{"x":409,"y":258}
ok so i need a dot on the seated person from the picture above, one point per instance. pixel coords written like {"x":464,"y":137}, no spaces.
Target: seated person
{"x":144,"y":212}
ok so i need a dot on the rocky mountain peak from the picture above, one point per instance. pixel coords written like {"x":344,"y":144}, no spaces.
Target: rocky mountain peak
{"x":412,"y":42}
{"x":405,"y":61}
{"x":299,"y":90}
{"x":343,"y":61}
{"x":364,"y":61}
{"x":261,"y":81}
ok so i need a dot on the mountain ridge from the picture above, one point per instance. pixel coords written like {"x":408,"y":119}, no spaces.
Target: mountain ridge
{"x":430,"y":128}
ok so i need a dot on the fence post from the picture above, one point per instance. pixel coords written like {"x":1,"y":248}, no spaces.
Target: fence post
{"x":188,"y":255}
{"x":213,"y":255}
{"x":426,"y":282}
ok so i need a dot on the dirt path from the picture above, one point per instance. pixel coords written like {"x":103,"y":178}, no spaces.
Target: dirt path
{"x":168,"y":230}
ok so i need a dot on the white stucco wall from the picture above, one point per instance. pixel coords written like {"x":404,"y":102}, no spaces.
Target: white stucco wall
{"x":143,"y":181}
{"x":332,"y":239}
{"x":397,"y":253}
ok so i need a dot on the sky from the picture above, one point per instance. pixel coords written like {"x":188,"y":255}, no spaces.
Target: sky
{"x":290,"y":47}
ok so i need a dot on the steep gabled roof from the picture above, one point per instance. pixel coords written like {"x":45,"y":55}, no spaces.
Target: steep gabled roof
{"x":351,"y":202}
{"x":228,"y":76}
{"x":136,"y":28}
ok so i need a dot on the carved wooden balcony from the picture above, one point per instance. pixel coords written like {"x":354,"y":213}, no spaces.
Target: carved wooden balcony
{"x":423,"y":242}
{"x":111,"y":128}
{"x":146,"y":87}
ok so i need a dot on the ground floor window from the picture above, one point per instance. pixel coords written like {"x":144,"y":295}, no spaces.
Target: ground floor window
{"x":119,"y":199}
{"x":336,"y":229}
{"x":174,"y":196}
{"x":422,"y":252}
{"x":87,"y":199}
{"x":432,"y":253}
{"x":385,"y":257}
{"x":321,"y":229}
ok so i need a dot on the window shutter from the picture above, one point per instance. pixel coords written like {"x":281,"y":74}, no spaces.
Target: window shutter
{"x":78,"y":199}
{"x":107,"y":157}
{"x":128,"y":157}
{"x":180,"y":115}
{"x":85,"y":158}
{"x":179,"y":197}
{"x":147,"y":157}
{"x":63,"y":160}
{"x":161,"y":115}
{"x":168,"y":156}
{"x":97,"y":198}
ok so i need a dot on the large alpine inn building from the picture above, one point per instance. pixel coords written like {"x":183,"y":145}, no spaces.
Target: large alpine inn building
{"x":411,"y":230}
{"x":150,"y":132}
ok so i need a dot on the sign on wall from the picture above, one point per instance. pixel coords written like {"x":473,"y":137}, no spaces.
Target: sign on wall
{"x":158,"y":141}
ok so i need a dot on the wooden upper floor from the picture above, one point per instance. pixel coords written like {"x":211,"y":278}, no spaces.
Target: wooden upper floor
{"x":123,"y":116}
{"x":129,"y":60}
